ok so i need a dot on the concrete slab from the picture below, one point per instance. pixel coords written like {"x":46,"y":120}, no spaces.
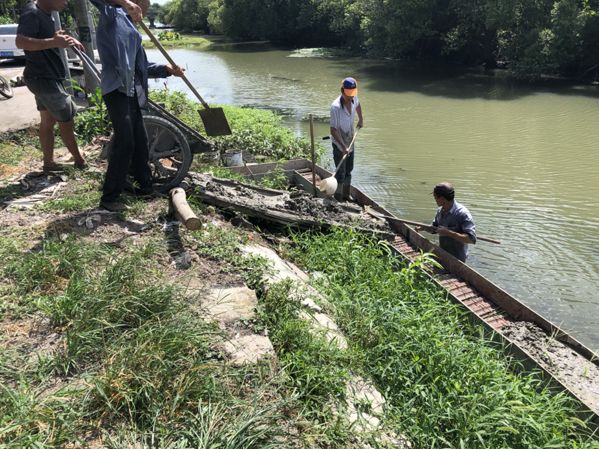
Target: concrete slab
{"x":231,"y":304}
{"x":248,"y":349}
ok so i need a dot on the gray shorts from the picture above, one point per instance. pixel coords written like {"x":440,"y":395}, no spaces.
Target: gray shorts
{"x":51,"y":96}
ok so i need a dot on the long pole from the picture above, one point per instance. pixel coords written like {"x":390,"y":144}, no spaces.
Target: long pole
{"x":312,"y":156}
{"x":62,"y":51}
{"x":85,"y":28}
{"x":427,"y":227}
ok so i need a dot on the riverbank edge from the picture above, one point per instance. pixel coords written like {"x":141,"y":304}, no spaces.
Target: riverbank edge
{"x":66,"y":206}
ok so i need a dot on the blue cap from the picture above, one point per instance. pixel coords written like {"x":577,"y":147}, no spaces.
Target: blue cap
{"x":350,"y":86}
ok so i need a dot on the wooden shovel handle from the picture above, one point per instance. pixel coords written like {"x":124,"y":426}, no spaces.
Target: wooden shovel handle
{"x":172,"y":63}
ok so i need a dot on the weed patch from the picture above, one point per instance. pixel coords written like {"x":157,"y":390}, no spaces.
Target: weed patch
{"x":83,"y":195}
{"x":256,"y":131}
{"x":223,"y":244}
{"x":446,"y":385}
{"x":29,"y":419}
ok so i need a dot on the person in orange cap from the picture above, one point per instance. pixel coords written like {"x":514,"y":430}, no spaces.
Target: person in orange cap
{"x":343,"y":114}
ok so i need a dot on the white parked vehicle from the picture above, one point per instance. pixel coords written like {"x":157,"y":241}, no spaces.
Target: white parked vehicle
{"x":8,"y":46}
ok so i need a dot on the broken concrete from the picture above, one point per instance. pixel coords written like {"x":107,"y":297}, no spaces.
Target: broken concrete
{"x":248,"y":349}
{"x":364,"y":406}
{"x":296,"y":208}
{"x":229,"y":304}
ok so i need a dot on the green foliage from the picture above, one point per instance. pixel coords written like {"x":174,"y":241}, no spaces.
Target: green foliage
{"x":318,"y":370}
{"x":16,"y":146}
{"x":5,"y":20}
{"x":256,"y":131}
{"x":43,"y":270}
{"x":446,"y":386}
{"x":187,"y":15}
{"x":533,"y":37}
{"x":94,"y":120}
{"x":224,"y":245}
{"x":31,"y":419}
{"x":169,"y":36}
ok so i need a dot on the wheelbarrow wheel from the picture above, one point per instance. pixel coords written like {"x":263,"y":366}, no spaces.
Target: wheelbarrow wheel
{"x":5,"y":88}
{"x":170,"y":156}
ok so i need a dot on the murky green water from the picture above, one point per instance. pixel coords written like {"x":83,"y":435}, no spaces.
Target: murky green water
{"x":524,"y":160}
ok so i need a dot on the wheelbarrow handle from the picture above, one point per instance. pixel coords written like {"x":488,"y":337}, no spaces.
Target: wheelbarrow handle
{"x":171,"y":62}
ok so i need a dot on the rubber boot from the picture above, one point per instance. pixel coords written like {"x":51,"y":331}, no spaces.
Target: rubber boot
{"x":346,"y":191}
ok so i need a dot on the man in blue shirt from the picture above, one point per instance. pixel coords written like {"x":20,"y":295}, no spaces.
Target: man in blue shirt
{"x":453,"y":222}
{"x":124,"y":84}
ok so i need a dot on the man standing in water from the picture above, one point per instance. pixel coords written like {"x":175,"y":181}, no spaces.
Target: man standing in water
{"x":45,"y":75}
{"x":343,"y":113}
{"x":453,"y":222}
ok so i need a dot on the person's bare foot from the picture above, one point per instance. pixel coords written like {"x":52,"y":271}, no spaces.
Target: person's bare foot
{"x":51,"y":167}
{"x":80,"y":165}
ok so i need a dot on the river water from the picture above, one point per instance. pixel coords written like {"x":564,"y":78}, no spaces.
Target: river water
{"x":523,"y":159}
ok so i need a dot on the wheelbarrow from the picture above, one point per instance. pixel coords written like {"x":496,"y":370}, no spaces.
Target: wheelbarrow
{"x":171,"y":142}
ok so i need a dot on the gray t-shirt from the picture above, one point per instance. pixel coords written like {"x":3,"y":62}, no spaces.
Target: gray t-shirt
{"x":39,"y":24}
{"x":457,"y":219}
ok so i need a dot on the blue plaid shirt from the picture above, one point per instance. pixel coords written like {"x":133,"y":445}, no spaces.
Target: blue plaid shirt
{"x":457,"y":219}
{"x":125,"y":66}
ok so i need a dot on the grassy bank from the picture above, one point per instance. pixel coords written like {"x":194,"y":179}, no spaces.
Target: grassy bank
{"x":446,"y":384}
{"x":173,"y":39}
{"x":119,"y":354}
{"x":106,"y":341}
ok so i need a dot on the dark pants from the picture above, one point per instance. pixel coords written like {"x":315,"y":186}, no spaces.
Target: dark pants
{"x":343,"y":175}
{"x":130,"y":152}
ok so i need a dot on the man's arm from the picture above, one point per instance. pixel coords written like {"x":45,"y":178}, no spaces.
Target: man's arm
{"x":59,"y":40}
{"x":163,"y":71}
{"x":468,"y":234}
{"x":360,"y":118}
{"x":105,"y":6}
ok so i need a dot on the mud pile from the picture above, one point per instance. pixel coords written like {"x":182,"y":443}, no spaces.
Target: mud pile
{"x":298,"y":205}
{"x":572,"y":369}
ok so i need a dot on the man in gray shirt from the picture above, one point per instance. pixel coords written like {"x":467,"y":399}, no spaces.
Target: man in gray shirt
{"x":45,"y":75}
{"x":453,"y":222}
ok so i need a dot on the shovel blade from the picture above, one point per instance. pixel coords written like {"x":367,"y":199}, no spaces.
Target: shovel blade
{"x":215,"y":122}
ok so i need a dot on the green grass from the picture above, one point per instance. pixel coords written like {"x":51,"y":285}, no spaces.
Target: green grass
{"x":31,"y":419}
{"x":258,"y":132}
{"x":18,"y":146}
{"x":315,"y":368}
{"x":184,"y":40}
{"x":447,"y":386}
{"x":83,"y":194}
{"x":137,"y":364}
{"x":223,"y":244}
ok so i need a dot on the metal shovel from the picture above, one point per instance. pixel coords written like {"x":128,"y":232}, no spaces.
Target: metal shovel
{"x":329,"y":185}
{"x":214,"y":119}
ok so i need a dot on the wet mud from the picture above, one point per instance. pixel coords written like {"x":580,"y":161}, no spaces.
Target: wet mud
{"x":580,"y":375}
{"x":299,"y":204}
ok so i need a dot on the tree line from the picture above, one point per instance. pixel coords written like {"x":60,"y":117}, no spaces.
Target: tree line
{"x":530,"y":37}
